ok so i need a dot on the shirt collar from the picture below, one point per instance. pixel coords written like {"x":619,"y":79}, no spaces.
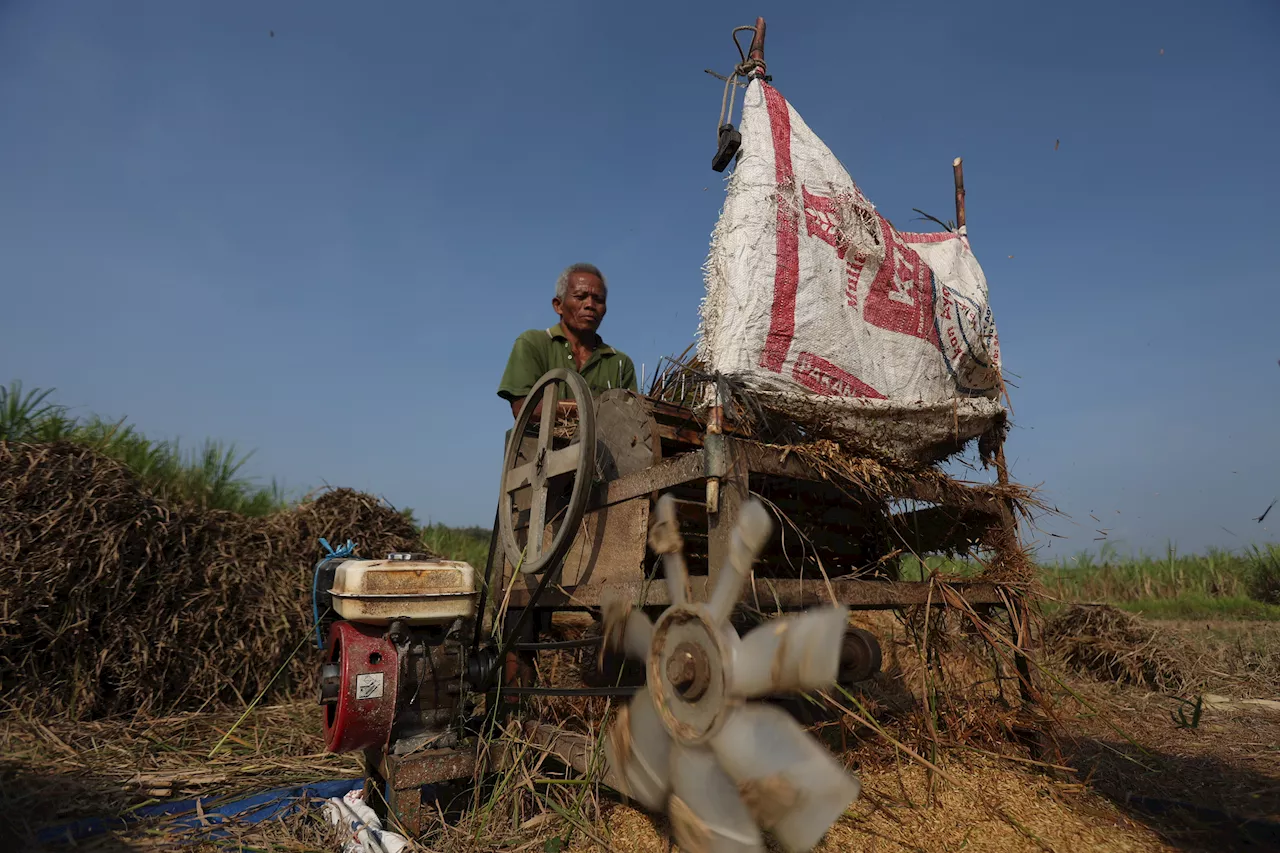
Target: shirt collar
{"x":557,"y":334}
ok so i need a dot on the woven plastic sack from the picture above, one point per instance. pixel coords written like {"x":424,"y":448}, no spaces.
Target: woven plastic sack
{"x":817,"y":303}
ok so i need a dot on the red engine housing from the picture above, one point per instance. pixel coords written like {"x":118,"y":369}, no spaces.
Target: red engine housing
{"x":368,"y":669}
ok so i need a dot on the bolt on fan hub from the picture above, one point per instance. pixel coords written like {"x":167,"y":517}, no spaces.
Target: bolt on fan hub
{"x":687,"y":673}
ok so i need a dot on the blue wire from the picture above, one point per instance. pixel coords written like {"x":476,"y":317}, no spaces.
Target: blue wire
{"x":345,"y":551}
{"x":315,"y":606}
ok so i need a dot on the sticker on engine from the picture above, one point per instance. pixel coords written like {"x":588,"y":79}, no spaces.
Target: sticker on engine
{"x":369,"y":685}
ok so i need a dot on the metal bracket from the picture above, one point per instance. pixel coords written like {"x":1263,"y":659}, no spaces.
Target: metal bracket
{"x":715,"y":455}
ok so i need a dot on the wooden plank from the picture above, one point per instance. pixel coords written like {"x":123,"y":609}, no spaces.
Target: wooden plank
{"x":860,"y":594}
{"x":668,"y":473}
{"x":610,"y":545}
{"x":654,"y":593}
{"x":734,"y":489}
{"x":773,"y":594}
{"x":690,"y":435}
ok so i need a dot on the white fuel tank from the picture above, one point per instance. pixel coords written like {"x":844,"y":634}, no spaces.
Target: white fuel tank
{"x":417,"y":591}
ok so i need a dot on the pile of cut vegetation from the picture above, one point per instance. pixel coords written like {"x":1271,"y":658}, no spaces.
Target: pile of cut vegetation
{"x":114,"y":601}
{"x":1108,"y":643}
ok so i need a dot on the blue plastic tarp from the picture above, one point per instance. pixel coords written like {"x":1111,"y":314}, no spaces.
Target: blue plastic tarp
{"x":255,"y":808}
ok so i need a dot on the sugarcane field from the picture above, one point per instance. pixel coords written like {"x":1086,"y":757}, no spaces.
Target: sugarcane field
{"x":794,"y":553}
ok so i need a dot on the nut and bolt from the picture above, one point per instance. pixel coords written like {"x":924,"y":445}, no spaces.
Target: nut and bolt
{"x":689,"y":672}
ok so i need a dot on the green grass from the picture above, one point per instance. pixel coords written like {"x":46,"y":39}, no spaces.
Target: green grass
{"x":1195,"y":606}
{"x":469,"y":544}
{"x":1222,"y":584}
{"x":913,"y":568}
{"x":208,"y":475}
{"x":1215,"y":585}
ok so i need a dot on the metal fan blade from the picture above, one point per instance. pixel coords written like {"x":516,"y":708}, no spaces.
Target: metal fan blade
{"x":706,"y":811}
{"x":796,"y":652}
{"x":793,"y":786}
{"x":625,"y":628}
{"x":638,"y":750}
{"x":755,"y":526}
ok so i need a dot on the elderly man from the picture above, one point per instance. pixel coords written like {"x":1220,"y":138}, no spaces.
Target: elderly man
{"x":573,"y":343}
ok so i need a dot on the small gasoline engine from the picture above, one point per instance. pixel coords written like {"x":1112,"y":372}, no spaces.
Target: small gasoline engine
{"x":398,"y":674}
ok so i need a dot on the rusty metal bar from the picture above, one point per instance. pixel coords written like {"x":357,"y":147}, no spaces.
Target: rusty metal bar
{"x":427,"y":767}
{"x":406,"y":775}
{"x":715,"y":425}
{"x":733,"y":487}
{"x":957,"y":167}
{"x":757,"y":49}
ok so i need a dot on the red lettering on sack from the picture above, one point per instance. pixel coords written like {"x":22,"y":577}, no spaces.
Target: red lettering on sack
{"x":854,"y":266}
{"x":822,"y":377}
{"x":824,"y":219}
{"x":901,"y":296}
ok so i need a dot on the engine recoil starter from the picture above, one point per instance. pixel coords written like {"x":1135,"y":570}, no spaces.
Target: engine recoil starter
{"x":358,"y":687}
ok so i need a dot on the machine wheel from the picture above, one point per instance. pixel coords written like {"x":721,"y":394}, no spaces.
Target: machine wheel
{"x":860,"y":656}
{"x":577,"y":459}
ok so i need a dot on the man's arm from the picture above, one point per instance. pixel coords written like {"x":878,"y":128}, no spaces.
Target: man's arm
{"x":524,"y":368}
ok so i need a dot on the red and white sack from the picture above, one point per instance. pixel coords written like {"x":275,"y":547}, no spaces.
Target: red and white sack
{"x":819,"y":305}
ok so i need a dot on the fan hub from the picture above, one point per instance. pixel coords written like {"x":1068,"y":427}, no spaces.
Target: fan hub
{"x":688,"y":673}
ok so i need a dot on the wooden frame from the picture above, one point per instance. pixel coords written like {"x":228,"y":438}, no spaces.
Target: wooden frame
{"x":609,"y":555}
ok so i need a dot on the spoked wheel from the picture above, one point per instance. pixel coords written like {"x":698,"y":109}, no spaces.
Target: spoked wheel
{"x":543,"y":469}
{"x":546,"y":482}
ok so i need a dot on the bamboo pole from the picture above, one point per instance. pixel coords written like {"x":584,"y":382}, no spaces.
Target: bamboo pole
{"x":957,"y":167}
{"x":756,"y":52}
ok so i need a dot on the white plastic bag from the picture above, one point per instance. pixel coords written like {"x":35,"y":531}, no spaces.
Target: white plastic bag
{"x":366,"y":834}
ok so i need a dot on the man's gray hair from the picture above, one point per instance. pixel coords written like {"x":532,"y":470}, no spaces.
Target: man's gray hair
{"x":562,"y":283}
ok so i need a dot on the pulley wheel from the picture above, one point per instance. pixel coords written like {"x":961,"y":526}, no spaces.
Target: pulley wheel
{"x":576,"y":460}
{"x":860,"y":656}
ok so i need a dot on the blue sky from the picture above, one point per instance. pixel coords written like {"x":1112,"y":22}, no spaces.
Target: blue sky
{"x":320,"y":244}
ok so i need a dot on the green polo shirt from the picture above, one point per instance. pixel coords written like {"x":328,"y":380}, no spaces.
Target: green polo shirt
{"x":539,"y":350}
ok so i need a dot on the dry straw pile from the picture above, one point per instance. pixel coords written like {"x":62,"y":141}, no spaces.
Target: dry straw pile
{"x":112,"y":601}
{"x":1108,"y":643}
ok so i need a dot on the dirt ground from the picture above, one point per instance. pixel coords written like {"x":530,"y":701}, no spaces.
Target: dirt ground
{"x":1123,"y":769}
{"x":1116,"y":767}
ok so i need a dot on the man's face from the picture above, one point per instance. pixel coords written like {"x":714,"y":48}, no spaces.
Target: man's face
{"x":582,"y":308}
